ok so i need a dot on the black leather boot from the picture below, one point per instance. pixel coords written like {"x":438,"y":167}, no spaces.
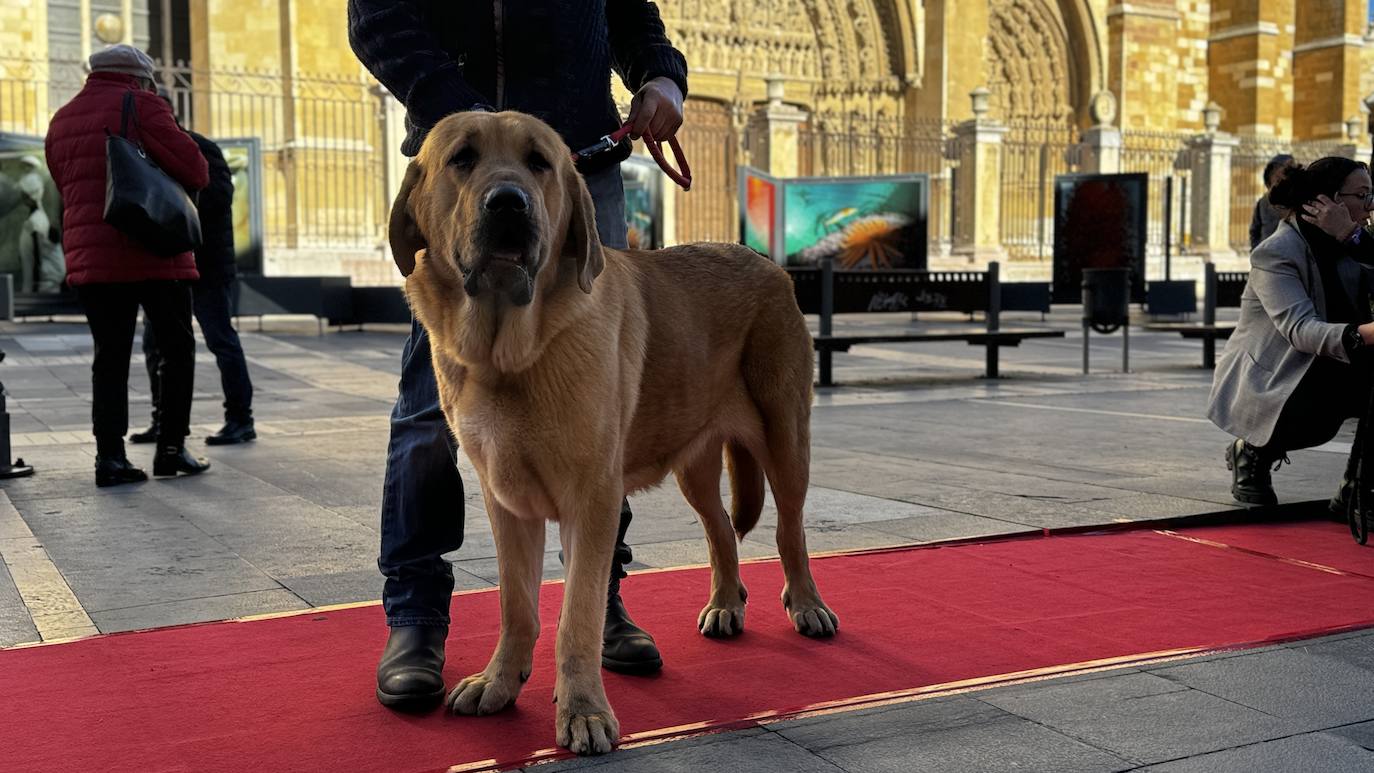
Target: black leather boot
{"x":1340,"y":503}
{"x":626,"y":648}
{"x":171,"y":460}
{"x":410,"y":673}
{"x":112,"y":471}
{"x":1251,"y":482}
{"x":232,"y":433}
{"x":148,"y":435}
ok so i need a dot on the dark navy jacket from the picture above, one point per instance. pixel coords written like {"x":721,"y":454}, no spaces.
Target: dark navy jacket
{"x":215,"y":258}
{"x":550,"y":58}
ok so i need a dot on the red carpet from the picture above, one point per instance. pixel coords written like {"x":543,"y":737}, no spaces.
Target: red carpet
{"x":295,"y":693}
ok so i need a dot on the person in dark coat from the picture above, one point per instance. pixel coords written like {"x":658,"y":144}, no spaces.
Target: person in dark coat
{"x":1267,"y":217}
{"x":213,"y":302}
{"x":112,"y":273}
{"x":553,"y":60}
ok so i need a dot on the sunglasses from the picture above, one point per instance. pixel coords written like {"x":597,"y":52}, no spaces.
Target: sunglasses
{"x":1368,"y":198}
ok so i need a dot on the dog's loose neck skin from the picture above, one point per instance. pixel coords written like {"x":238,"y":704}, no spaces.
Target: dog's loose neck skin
{"x":489,"y":336}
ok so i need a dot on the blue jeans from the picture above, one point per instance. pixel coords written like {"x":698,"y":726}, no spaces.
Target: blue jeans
{"x":422,"y":495}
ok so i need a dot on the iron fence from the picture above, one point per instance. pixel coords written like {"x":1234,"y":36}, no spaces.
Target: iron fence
{"x":857,"y":145}
{"x":710,"y":211}
{"x":1164,"y":156}
{"x":1033,"y":154}
{"x":321,"y":138}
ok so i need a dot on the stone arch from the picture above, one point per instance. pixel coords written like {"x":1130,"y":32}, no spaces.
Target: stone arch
{"x":839,"y":46}
{"x":1043,"y":59}
{"x":1087,"y":53}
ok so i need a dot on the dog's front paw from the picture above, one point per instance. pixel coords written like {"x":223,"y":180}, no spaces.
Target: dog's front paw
{"x":721,"y":620}
{"x":586,"y":730}
{"x":480,"y":694}
{"x":810,"y":616}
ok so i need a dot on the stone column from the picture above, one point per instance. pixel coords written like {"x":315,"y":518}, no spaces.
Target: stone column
{"x":1101,"y":144}
{"x":977,"y":233}
{"x":1211,"y":192}
{"x":779,"y":123}
{"x":1327,"y":52}
{"x":126,"y":15}
{"x":1250,"y":65}
{"x":1102,"y":150}
{"x":1356,"y":139}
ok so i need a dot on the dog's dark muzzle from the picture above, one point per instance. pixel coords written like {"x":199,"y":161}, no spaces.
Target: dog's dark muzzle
{"x":504,"y":259}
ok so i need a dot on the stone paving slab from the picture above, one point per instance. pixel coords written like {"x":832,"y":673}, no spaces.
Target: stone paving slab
{"x":1144,"y":718}
{"x":16,"y":624}
{"x":1326,"y":752}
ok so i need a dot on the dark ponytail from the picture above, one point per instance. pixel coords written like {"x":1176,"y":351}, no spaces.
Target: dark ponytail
{"x":1301,"y":184}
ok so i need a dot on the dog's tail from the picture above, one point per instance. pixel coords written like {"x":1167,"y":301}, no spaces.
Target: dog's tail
{"x":746,"y":488}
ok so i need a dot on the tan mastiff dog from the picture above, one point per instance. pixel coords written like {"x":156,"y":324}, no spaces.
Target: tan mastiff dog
{"x":573,"y":374}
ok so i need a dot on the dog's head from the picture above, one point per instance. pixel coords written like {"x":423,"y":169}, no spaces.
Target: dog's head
{"x":494,"y":201}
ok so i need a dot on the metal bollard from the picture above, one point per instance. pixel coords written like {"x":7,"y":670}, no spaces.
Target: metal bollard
{"x":8,"y":469}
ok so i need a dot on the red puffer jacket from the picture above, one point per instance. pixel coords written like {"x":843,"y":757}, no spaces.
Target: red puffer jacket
{"x":75,"y":147}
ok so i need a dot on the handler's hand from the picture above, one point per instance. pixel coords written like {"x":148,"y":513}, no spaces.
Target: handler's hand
{"x":1330,"y":216}
{"x":657,"y":107}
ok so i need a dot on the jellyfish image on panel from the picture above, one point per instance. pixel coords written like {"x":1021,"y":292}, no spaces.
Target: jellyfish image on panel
{"x":860,"y":224}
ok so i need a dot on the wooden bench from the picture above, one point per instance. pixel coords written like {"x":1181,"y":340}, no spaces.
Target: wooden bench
{"x":1219,"y":289}
{"x":826,"y":292}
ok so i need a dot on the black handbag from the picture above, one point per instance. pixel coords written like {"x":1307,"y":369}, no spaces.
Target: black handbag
{"x":141,"y":200}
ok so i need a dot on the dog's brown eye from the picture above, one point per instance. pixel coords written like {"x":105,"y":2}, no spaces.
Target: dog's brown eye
{"x":538,"y":163}
{"x":465,"y":158}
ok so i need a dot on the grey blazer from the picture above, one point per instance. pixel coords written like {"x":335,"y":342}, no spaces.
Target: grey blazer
{"x":1282,"y":331}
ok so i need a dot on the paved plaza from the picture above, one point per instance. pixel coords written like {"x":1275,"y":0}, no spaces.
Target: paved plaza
{"x":914,"y":447}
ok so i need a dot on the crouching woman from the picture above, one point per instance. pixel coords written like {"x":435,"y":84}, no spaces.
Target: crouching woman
{"x":1296,"y":366}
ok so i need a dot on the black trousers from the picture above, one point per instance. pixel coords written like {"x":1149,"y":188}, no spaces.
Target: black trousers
{"x":1330,"y":393}
{"x":213,"y":303}
{"x":112,"y":313}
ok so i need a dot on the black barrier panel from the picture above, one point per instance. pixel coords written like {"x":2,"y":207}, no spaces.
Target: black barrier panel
{"x":47,"y":304}
{"x":325,"y":297}
{"x":1165,"y":297}
{"x":379,"y":305}
{"x":1099,"y":222}
{"x":1230,"y":284}
{"x":1026,"y":296}
{"x":858,"y":292}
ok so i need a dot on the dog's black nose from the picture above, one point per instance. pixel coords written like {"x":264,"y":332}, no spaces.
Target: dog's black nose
{"x":506,"y":198}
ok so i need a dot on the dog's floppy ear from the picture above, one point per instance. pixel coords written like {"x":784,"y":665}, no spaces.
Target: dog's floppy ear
{"x":583,"y":240}
{"x":403,"y":233}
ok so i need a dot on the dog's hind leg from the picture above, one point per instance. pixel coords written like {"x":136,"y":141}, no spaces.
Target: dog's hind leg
{"x":699,"y":481}
{"x":788,"y":475}
{"x":783,"y":397}
{"x":520,"y":563}
{"x":584,"y":721}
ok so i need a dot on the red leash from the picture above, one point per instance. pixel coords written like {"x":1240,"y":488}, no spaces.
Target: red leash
{"x":683,"y":177}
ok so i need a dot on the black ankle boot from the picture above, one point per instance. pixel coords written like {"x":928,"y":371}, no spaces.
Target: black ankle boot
{"x":148,"y":435}
{"x":1340,"y":503}
{"x":112,"y":471}
{"x":171,"y":460}
{"x":410,"y":673}
{"x":233,"y":432}
{"x":1251,"y":482}
{"x":626,"y":648}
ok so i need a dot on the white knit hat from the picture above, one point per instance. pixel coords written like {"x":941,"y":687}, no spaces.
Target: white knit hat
{"x":124,"y":59}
